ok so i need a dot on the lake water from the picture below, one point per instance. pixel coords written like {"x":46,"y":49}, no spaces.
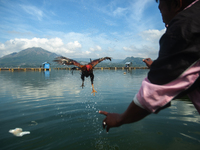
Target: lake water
{"x":61,"y":115}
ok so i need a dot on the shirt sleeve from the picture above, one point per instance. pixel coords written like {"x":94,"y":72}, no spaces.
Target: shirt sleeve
{"x":135,"y":100}
{"x":153,"y":97}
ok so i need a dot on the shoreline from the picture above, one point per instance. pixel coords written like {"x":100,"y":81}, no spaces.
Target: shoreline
{"x":45,"y":69}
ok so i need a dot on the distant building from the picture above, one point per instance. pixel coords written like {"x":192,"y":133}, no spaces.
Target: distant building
{"x":46,"y":65}
{"x":128,"y":64}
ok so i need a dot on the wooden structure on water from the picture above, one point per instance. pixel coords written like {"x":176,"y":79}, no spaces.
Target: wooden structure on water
{"x":25,"y":69}
{"x":44,"y":69}
{"x":108,"y":68}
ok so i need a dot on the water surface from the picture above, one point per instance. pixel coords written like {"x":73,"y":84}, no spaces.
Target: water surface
{"x":61,"y":115}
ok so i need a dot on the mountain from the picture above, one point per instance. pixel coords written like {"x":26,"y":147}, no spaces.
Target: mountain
{"x":35,"y":56}
{"x":136,"y":61}
{"x":30,"y":57}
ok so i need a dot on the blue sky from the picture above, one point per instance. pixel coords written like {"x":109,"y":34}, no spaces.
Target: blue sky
{"x":82,"y":28}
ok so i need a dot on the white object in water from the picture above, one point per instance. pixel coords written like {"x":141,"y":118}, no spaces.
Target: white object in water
{"x":18,"y":132}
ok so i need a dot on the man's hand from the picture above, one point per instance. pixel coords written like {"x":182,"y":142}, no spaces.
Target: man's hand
{"x":148,"y":62}
{"x":132,"y":114}
{"x":111,"y":120}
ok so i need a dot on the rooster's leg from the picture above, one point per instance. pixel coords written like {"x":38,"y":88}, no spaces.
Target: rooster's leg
{"x":82,"y":77}
{"x":92,"y":79}
{"x":93,"y":90}
{"x":82,"y":85}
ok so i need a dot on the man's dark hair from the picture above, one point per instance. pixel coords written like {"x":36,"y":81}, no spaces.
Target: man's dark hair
{"x":169,"y":2}
{"x":173,"y":0}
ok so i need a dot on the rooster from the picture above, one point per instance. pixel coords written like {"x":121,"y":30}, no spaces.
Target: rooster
{"x":86,"y":70}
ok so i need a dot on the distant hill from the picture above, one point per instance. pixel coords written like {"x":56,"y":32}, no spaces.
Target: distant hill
{"x":35,"y":56}
{"x":30,"y":57}
{"x":136,"y":61}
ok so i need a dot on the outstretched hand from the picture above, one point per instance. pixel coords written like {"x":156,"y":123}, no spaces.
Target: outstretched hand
{"x":132,"y":114}
{"x":148,"y":62}
{"x":111,"y":120}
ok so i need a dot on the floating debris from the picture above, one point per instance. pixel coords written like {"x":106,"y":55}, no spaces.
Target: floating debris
{"x":18,"y":132}
{"x":33,"y":123}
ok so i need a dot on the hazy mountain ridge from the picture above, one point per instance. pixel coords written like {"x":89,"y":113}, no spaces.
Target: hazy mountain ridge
{"x":30,"y":57}
{"x":35,"y":56}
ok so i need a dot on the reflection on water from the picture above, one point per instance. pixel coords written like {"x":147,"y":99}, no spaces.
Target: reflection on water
{"x":61,"y":115}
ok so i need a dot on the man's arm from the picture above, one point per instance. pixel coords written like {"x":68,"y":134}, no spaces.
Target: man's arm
{"x":132,"y":114}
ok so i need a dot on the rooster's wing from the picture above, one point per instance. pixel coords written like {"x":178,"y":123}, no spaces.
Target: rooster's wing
{"x":66,"y":61}
{"x":96,"y":61}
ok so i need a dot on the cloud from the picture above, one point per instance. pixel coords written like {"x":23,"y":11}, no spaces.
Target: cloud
{"x":96,"y":48}
{"x":147,"y":46}
{"x":34,"y":11}
{"x":86,"y":45}
{"x":143,"y":51}
{"x":139,"y":18}
{"x":128,"y":48}
{"x":137,"y":8}
{"x":110,"y":23}
{"x":74,"y":45}
{"x":87,"y":52}
{"x":53,"y":45}
{"x":120,"y":11}
{"x":152,"y":35}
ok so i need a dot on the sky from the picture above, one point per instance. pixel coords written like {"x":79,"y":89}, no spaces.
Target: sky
{"x":82,"y":28}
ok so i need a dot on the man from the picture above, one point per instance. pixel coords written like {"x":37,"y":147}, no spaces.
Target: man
{"x":175,"y":72}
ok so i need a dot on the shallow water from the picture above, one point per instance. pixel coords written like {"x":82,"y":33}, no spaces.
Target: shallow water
{"x":61,"y":115}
